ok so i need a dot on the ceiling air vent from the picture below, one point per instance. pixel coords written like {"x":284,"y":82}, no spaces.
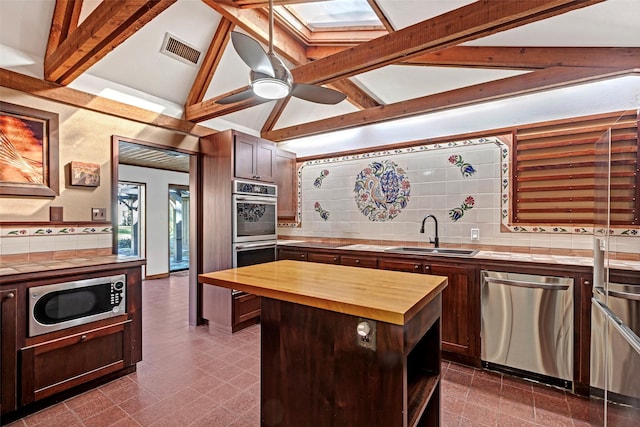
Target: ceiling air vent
{"x":176,"y":48}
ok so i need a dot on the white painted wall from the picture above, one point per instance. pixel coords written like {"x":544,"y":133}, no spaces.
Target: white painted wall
{"x":156,"y":211}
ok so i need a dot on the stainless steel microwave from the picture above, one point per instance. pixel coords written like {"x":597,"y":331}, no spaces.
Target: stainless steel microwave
{"x":63,"y":305}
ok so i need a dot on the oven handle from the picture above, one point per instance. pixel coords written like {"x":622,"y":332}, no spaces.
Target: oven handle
{"x":626,"y":332}
{"x":254,"y":199}
{"x":255,"y":245}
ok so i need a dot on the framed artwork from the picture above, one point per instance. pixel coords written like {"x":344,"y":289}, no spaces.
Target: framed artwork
{"x":84,"y":174}
{"x":28,"y":151}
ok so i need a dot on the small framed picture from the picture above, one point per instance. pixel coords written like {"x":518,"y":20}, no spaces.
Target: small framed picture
{"x":84,"y":174}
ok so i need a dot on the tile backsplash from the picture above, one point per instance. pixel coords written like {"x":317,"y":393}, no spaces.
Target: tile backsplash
{"x":385,"y":196}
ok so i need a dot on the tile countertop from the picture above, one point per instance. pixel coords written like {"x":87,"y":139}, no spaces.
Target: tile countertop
{"x":17,"y":268}
{"x":502,"y":256}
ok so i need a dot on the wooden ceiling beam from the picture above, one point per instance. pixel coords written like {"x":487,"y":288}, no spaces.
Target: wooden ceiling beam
{"x":110,"y":24}
{"x":355,"y":94}
{"x":276,"y":112}
{"x":210,"y":62}
{"x":66,"y":15}
{"x":470,"y":22}
{"x":529,"y":58}
{"x":499,"y":89}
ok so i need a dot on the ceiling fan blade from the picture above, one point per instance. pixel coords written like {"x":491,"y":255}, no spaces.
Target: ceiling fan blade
{"x":236,"y":97}
{"x":252,"y":53}
{"x":318,"y":94}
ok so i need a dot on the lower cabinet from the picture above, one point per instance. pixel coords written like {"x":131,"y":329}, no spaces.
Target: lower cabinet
{"x":8,"y":350}
{"x":46,"y":367}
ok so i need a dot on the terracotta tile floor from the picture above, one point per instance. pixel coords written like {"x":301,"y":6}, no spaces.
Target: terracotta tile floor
{"x":189,"y":377}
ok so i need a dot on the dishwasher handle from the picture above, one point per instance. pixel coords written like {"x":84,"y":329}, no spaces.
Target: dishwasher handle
{"x":618,"y":294}
{"x":624,"y":330}
{"x":524,"y":284}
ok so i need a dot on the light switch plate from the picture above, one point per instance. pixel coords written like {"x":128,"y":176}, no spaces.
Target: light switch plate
{"x":475,"y":234}
{"x":98,"y":214}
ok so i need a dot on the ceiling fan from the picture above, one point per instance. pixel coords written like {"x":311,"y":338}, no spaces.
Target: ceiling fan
{"x":270,"y":78}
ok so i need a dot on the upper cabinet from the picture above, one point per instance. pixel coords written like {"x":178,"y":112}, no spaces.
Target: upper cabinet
{"x":254,"y":158}
{"x":285,"y":178}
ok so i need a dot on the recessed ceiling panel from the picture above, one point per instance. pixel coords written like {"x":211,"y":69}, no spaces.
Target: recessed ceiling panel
{"x":335,"y":14}
{"x":396,"y":83}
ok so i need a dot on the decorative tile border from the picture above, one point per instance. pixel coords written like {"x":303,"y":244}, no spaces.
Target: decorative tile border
{"x":53,"y":231}
{"x":505,"y":186}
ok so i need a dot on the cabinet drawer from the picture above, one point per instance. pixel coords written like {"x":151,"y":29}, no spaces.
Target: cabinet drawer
{"x":58,"y":365}
{"x":360,"y":261}
{"x":402,"y":265}
{"x":324,"y":258}
{"x":245,"y":307}
{"x":292,"y":254}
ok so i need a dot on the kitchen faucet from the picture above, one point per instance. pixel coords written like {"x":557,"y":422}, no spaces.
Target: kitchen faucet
{"x":435,"y":241}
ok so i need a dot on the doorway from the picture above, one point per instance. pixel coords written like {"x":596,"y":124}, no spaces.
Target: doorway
{"x":130,"y":225}
{"x":179,"y":210}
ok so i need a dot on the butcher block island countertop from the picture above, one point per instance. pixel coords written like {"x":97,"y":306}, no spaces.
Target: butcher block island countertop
{"x":344,"y":346}
{"x":386,"y":296}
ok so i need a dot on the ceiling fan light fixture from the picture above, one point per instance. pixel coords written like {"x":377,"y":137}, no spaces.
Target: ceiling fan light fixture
{"x":270,"y":88}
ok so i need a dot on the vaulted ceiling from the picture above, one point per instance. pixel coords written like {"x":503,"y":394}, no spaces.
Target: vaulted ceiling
{"x":425,"y":56}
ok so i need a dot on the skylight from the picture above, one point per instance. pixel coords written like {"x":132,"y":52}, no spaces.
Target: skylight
{"x":332,"y":14}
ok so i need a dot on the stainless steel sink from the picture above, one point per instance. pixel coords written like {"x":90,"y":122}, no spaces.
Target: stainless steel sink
{"x":432,"y":251}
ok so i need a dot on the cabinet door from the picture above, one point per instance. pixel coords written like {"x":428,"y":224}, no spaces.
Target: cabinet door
{"x":459,"y":323}
{"x":8,"y":363}
{"x":324,"y":258}
{"x":293,"y":254}
{"x":245,"y":157}
{"x":245,"y":307}
{"x":401,"y":265}
{"x":57,"y":365}
{"x":285,"y":179}
{"x":265,"y":161}
{"x":254,"y":158}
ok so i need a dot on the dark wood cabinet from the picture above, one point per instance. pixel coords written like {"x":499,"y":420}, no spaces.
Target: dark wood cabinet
{"x":460,"y":310}
{"x":254,"y":158}
{"x":324,"y":258}
{"x":57,"y":365}
{"x":398,"y":264}
{"x":286,"y":180}
{"x":359,"y":261}
{"x":246,"y":309}
{"x":292,"y":253}
{"x":8,"y":344}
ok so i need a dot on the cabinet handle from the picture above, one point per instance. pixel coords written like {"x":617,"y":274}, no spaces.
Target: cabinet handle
{"x":427,"y":268}
{"x":83,"y":338}
{"x":586,"y":282}
{"x":335,"y":258}
{"x":357,"y":261}
{"x":11,"y":295}
{"x":416,"y":267}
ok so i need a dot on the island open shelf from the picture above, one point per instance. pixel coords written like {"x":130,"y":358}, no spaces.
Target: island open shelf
{"x":344,"y":345}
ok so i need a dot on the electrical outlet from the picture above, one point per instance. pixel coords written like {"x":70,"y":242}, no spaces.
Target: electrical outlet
{"x":475,"y":234}
{"x":98,"y":214}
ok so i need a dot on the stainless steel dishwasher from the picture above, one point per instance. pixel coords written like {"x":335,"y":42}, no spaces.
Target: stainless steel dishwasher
{"x":527,"y":326}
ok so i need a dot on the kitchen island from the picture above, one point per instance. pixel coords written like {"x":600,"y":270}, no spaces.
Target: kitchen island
{"x":344,"y":345}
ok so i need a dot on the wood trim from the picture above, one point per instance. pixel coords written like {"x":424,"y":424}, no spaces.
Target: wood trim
{"x":355,"y":94}
{"x":211,"y":61}
{"x":275,"y":114}
{"x":529,"y":58}
{"x":58,"y":93}
{"x":475,"y":94}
